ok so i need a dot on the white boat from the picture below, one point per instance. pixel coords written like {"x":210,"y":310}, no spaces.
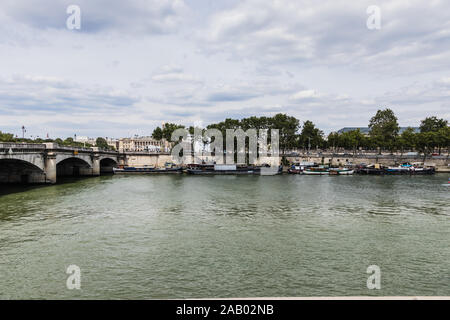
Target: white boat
{"x":316,"y":171}
{"x":340,"y":171}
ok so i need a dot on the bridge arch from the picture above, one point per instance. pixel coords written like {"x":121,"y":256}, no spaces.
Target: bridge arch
{"x":83,"y":157}
{"x":73,"y":166}
{"x":15,"y":170}
{"x":107,"y":164}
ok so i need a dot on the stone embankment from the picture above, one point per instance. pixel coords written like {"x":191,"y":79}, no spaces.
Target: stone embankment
{"x":441,"y":163}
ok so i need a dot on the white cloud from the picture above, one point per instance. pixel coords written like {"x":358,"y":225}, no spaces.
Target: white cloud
{"x":304,"y":94}
{"x":333,"y":32}
{"x":149,"y":16}
{"x":173,"y":74}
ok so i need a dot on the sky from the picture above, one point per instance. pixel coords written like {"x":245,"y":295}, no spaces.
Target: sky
{"x":136,"y":64}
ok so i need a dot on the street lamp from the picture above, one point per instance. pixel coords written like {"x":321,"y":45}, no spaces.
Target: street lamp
{"x":309,"y":144}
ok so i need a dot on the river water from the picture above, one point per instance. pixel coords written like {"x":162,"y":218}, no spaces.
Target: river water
{"x":178,"y":236}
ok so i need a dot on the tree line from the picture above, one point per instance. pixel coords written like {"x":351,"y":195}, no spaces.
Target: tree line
{"x":384,"y":133}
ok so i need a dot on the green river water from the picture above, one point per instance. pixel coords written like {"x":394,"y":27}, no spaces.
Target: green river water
{"x":178,"y":236}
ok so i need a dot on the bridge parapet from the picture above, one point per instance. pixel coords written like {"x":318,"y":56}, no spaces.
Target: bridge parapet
{"x":55,"y":146}
{"x":146,"y":153}
{"x":105,"y":151}
{"x":6,"y":146}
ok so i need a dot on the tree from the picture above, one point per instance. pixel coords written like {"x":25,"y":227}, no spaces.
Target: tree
{"x":353,"y":139}
{"x":443,"y":138}
{"x":384,"y":129}
{"x":426,"y":142}
{"x":6,"y":137}
{"x":101,"y":143}
{"x":256,"y":123}
{"x":157,"y":133}
{"x":333,"y":140}
{"x":68,"y":141}
{"x":407,"y":140}
{"x":310,"y":135}
{"x":288,"y":128}
{"x":432,"y":124}
{"x":168,"y":129}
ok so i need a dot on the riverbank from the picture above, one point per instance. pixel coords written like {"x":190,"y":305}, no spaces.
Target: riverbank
{"x":441,"y":163}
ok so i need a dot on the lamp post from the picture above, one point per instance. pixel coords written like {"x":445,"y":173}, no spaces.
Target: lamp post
{"x":309,"y":144}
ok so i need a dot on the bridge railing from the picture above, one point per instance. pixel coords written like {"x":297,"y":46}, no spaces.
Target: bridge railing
{"x":74,"y":148}
{"x":144,"y":153}
{"x":21,"y":146}
{"x":56,"y":146}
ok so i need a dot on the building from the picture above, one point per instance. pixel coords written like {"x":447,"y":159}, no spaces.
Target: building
{"x":366,"y":130}
{"x":143,"y":144}
{"x":84,"y":139}
{"x":113,"y":143}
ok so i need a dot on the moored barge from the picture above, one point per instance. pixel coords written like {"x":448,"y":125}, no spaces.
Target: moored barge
{"x":224,"y":169}
{"x":168,"y":168}
{"x":405,"y":168}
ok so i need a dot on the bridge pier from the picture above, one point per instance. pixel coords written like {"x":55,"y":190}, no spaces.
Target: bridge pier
{"x":50,"y":168}
{"x":95,"y":165}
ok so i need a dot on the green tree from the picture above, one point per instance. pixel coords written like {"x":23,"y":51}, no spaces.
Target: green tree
{"x":256,"y":123}
{"x":432,"y":124}
{"x":288,"y":128}
{"x":333,"y":140}
{"x":101,"y":143}
{"x":168,"y":129}
{"x":6,"y":137}
{"x":157,"y":133}
{"x":310,"y":136}
{"x":384,"y":129}
{"x":426,"y":141}
{"x":223,"y":126}
{"x":407,"y":140}
{"x":69,"y":141}
{"x":353,"y":139}
{"x":443,"y":138}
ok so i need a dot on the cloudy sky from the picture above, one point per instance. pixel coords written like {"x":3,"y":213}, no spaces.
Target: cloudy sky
{"x":135,"y":64}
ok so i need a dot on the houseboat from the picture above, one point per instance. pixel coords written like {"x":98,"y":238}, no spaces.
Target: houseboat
{"x":407,"y":168}
{"x":168,"y":168}
{"x":316,"y":171}
{"x":341,"y":171}
{"x":373,"y":169}
{"x":225,"y":169}
{"x":298,"y":168}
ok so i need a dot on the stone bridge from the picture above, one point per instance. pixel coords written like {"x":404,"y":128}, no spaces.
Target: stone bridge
{"x":43,"y":163}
